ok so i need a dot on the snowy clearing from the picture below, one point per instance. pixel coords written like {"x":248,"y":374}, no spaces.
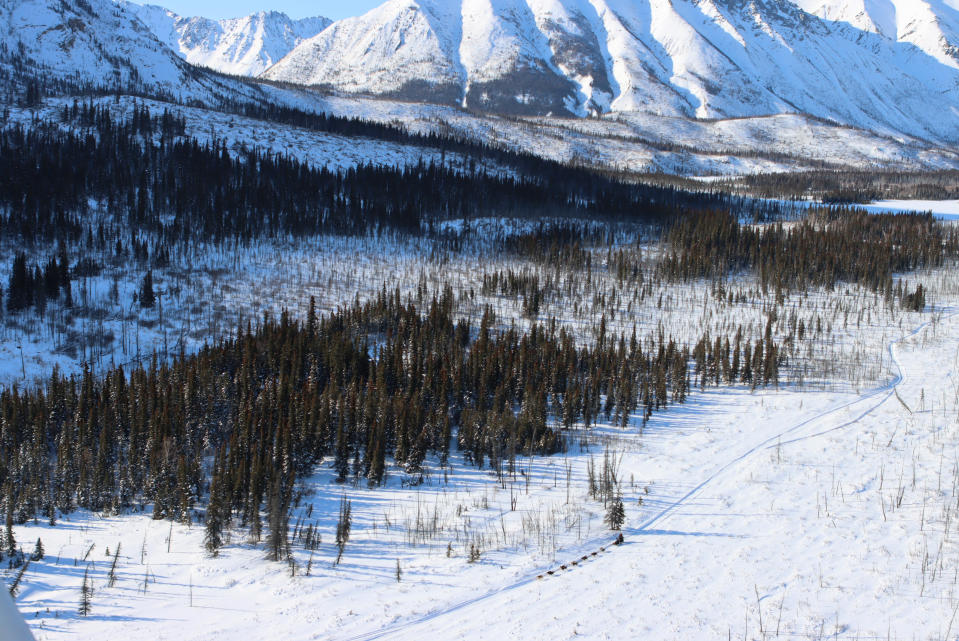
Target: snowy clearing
{"x":942,"y":209}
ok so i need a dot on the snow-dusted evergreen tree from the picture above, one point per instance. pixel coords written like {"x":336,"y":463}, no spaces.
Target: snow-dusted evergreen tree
{"x":112,"y":576}
{"x":9,"y":540}
{"x":15,"y":586}
{"x":278,"y":519}
{"x":86,"y":594}
{"x":343,"y":526}
{"x":183,"y":492}
{"x":615,"y":514}
{"x":213,"y":536}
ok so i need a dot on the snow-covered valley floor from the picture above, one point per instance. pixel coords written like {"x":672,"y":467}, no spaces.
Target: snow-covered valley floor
{"x":941,"y":209}
{"x":771,"y":514}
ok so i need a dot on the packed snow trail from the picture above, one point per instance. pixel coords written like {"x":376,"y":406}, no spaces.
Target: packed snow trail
{"x":884,"y":391}
{"x":889,"y":388}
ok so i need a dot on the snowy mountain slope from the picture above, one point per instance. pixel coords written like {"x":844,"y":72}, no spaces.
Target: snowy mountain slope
{"x":931,"y":25}
{"x":709,"y":75}
{"x":680,"y":58}
{"x":397,"y":48}
{"x":796,"y":62}
{"x":459,"y":52}
{"x":98,"y":43}
{"x":241,"y":46}
{"x":643,"y":142}
{"x":93,"y":41}
{"x":101,"y":44}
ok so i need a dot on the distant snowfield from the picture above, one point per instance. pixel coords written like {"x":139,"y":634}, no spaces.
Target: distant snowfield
{"x":943,"y":209}
{"x":752,"y":515}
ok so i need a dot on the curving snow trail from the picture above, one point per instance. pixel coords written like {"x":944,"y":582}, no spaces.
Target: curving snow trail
{"x":816,"y":425}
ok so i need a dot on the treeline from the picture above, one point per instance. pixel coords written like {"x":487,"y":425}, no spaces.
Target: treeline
{"x":850,"y":186}
{"x":603,"y":192}
{"x":523,"y":162}
{"x":825,"y":248}
{"x":523,"y":283}
{"x":755,"y":364}
{"x":575,"y":175}
{"x":377,"y":383}
{"x":558,"y":245}
{"x":35,"y":286}
{"x":151,"y":178}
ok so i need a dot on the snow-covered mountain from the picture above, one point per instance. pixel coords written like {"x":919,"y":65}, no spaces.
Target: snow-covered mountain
{"x":887,"y":66}
{"x":930,"y":25}
{"x":99,"y":43}
{"x":400,"y":48}
{"x":89,"y":41}
{"x":840,"y":60}
{"x":242,"y":46}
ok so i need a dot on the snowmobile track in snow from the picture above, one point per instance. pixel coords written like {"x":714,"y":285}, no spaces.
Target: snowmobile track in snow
{"x":885,"y":392}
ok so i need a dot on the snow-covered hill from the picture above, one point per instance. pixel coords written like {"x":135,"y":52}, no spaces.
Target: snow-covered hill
{"x":242,"y":46}
{"x":100,"y":44}
{"x":89,"y":41}
{"x":883,"y":67}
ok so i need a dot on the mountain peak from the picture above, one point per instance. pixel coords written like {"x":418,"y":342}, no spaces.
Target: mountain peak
{"x":242,"y":46}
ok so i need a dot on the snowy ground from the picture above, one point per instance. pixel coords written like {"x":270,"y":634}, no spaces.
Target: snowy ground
{"x":827,"y":510}
{"x":798,"y":516}
{"x":942,"y":209}
{"x":638,"y":142}
{"x":766,"y":514}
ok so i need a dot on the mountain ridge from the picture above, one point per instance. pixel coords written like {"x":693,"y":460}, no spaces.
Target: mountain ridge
{"x":697,"y":62}
{"x":244,"y":46}
{"x":688,"y":58}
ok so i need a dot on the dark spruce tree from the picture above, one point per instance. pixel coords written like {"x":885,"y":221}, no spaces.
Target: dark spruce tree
{"x":10,"y":540}
{"x":146,"y":294}
{"x":86,"y":594}
{"x":20,"y":288}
